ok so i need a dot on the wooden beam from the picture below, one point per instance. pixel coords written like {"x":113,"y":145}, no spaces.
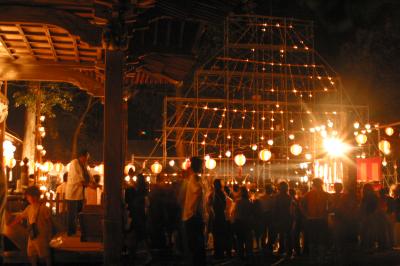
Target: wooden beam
{"x":4,"y":45}
{"x":75,"y":25}
{"x":76,"y":50}
{"x":50,"y":41}
{"x":114,"y":157}
{"x":52,"y":72}
{"x":27,"y":44}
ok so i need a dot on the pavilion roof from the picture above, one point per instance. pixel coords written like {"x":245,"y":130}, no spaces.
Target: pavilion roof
{"x":60,"y":40}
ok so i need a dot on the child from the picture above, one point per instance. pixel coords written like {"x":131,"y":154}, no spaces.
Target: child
{"x":37,"y":213}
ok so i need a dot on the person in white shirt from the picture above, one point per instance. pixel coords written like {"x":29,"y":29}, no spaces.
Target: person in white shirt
{"x":60,"y":191}
{"x":192,"y":215}
{"x":78,"y":179}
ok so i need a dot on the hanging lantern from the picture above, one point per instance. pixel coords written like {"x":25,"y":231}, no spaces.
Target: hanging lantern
{"x":384,"y":147}
{"x":296,"y":149}
{"x":228,"y":153}
{"x":10,"y":163}
{"x":59,"y":167}
{"x":129,"y":166}
{"x":389,"y":131}
{"x":47,"y":167}
{"x":308,"y":156}
{"x":384,"y":162}
{"x":254,"y":147}
{"x":265,"y":155}
{"x":156,"y":168}
{"x":361,"y":139}
{"x":186,"y":164}
{"x":240,"y":159}
{"x":171,"y":163}
{"x":356,"y":125}
{"x":211,"y":164}
{"x":291,"y":136}
{"x":270,"y":142}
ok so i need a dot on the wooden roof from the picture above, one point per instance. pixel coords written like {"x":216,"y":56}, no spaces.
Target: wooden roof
{"x":61,"y":40}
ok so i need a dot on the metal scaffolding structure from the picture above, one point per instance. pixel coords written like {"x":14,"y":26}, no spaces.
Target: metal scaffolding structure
{"x":267,"y":89}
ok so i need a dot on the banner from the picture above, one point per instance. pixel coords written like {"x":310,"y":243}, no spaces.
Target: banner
{"x":369,"y":169}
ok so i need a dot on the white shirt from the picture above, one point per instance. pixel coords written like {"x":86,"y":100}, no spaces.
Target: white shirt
{"x":74,"y":187}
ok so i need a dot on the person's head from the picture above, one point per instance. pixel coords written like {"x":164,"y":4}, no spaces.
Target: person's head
{"x":65,"y":177}
{"x":244,"y":193}
{"x":83,"y":155}
{"x":383,"y":192}
{"x":25,"y":160}
{"x":141,"y":183}
{"x":317,"y":183}
{"x":32,"y":194}
{"x":292,"y":192}
{"x":338,"y":187}
{"x":96,"y":178}
{"x":235,"y":188}
{"x":368,"y":189}
{"x":283,"y":187}
{"x":217,"y":185}
{"x":196,"y":164}
{"x":269,"y":189}
{"x":396,"y":191}
{"x":131,"y":173}
{"x":227,"y":190}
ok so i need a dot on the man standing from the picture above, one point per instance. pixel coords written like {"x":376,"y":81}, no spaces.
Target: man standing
{"x":78,"y":178}
{"x":193,"y":213}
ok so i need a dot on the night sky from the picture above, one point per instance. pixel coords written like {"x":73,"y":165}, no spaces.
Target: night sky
{"x":359,"y":38}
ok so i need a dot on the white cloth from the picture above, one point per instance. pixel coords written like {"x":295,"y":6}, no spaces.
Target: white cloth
{"x":74,"y":187}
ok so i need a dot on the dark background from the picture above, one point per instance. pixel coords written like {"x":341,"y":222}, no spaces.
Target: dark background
{"x":359,"y":38}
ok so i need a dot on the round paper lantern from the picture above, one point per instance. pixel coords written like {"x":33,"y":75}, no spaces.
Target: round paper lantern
{"x":211,"y":164}
{"x":59,"y":167}
{"x":240,"y":159}
{"x":361,"y":139}
{"x":270,"y":142}
{"x":254,"y":147}
{"x":265,"y":155}
{"x":156,"y":168}
{"x":186,"y":164}
{"x":308,"y":156}
{"x":389,"y":131}
{"x":296,"y":149}
{"x":171,"y":163}
{"x":384,"y":146}
{"x":47,"y":167}
{"x":129,"y":166}
{"x":228,"y":153}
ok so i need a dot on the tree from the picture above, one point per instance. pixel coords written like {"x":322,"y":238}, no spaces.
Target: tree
{"x":39,"y":99}
{"x":90,"y":103}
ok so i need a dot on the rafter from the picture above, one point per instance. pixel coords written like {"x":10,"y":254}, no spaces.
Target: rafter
{"x":4,"y":45}
{"x":26,"y":41}
{"x":76,"y":50}
{"x":50,"y":41}
{"x":75,"y":25}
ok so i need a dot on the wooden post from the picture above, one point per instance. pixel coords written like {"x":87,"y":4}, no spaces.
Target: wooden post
{"x":113,"y":157}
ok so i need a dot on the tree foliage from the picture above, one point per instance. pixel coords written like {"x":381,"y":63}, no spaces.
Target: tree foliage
{"x":50,"y":96}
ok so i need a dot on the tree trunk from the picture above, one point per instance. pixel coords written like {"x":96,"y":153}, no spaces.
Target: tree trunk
{"x":77,"y":131}
{"x":28,"y":147}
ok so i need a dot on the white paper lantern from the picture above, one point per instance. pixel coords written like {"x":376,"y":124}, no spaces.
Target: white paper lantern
{"x":210,"y":164}
{"x":296,"y":149}
{"x":156,"y":168}
{"x":171,"y":163}
{"x":389,"y":131}
{"x":240,"y":159}
{"x":265,"y":155}
{"x":361,"y":139}
{"x":384,"y":147}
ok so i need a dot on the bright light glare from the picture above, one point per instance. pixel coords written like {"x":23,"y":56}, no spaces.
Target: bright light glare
{"x":335,"y":147}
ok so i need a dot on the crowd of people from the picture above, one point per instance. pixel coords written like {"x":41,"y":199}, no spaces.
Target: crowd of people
{"x":192,"y":216}
{"x":199,"y":214}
